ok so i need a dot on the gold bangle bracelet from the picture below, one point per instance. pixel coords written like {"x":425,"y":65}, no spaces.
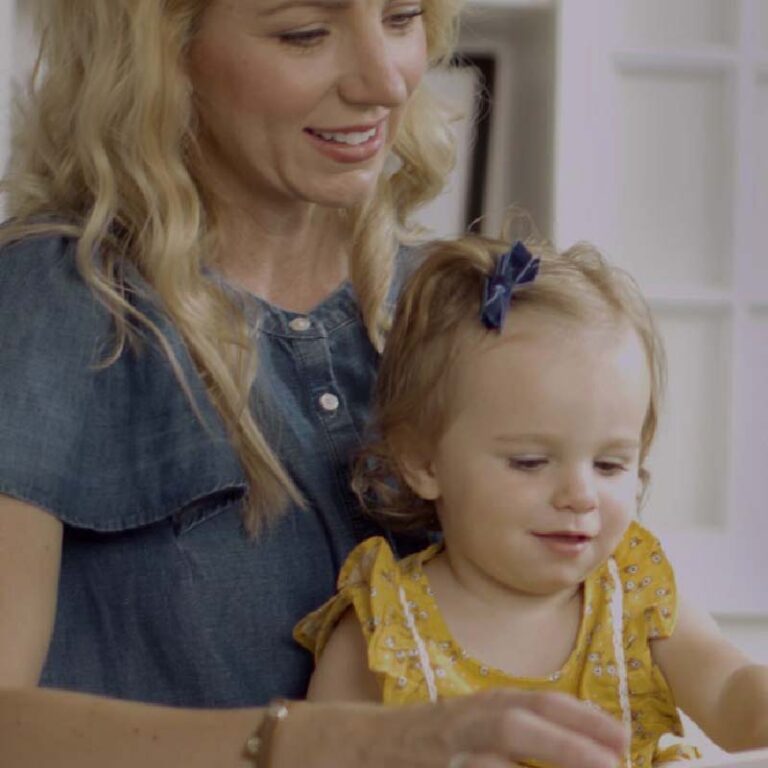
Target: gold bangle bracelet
{"x":258,"y":748}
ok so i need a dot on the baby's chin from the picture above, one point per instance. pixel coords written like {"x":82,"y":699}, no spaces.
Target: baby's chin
{"x":556,"y":587}
{"x":559,"y":581}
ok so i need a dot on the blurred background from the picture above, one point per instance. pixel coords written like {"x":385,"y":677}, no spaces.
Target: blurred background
{"x":641,"y":126}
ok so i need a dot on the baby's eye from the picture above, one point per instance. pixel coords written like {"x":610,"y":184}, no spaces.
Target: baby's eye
{"x":610,"y":467}
{"x":527,"y":464}
{"x":303,"y":38}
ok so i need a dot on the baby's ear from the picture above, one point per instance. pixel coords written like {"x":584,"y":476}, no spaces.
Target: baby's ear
{"x":416,"y":465}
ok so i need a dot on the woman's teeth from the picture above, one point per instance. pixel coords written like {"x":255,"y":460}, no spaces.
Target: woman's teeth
{"x":353,"y":138}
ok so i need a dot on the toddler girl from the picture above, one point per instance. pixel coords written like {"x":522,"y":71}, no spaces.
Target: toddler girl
{"x":517,"y":402}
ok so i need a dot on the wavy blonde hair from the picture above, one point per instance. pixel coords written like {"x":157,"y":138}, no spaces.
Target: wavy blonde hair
{"x":103,"y":151}
{"x":438,"y":319}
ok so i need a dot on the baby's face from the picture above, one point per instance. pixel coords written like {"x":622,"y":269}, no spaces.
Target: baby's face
{"x":536,"y":477}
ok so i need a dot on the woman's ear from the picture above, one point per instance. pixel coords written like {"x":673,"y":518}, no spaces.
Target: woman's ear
{"x":417,"y":468}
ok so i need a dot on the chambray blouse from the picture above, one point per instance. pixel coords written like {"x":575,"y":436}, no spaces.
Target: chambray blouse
{"x":163,"y":598}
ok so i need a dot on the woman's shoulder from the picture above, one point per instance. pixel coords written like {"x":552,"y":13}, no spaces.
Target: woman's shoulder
{"x":35,"y":249}
{"x":45,"y":304}
{"x":48,"y":315}
{"x":38,"y":263}
{"x":49,"y":310}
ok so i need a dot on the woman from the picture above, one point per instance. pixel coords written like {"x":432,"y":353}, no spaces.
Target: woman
{"x":194,"y":286}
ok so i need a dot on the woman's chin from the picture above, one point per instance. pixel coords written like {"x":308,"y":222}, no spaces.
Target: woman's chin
{"x":346,"y":190}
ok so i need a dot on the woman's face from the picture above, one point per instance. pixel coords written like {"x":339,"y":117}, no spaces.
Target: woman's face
{"x":300,"y":100}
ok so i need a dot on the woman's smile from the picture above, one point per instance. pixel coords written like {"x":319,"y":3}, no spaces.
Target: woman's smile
{"x":351,"y":144}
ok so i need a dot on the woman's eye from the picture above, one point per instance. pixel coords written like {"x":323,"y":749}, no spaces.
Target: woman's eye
{"x":527,"y":465}
{"x":404,"y":19}
{"x":304,"y":38}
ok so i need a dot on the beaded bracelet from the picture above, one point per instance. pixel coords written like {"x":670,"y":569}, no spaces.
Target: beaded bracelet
{"x":258,"y":748}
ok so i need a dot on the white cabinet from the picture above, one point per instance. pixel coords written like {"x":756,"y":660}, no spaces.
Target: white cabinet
{"x":666,"y":162}
{"x":640,"y":125}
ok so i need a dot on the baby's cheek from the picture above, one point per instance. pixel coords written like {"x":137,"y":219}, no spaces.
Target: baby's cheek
{"x":615,"y":526}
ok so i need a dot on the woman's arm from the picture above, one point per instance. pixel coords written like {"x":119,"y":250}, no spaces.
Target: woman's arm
{"x":714,"y":683}
{"x":30,"y":553}
{"x":44,"y":727}
{"x":69,"y":730}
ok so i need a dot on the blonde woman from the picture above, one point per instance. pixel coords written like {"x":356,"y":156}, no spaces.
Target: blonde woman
{"x":194,"y":284}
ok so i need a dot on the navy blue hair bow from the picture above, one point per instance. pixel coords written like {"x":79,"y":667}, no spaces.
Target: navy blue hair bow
{"x":515,"y":267}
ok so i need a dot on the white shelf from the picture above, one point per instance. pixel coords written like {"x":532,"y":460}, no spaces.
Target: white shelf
{"x":714,"y":59}
{"x":681,"y":24}
{"x":511,"y":4}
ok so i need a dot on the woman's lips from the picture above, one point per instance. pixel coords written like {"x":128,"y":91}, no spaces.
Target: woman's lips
{"x":354,"y":144}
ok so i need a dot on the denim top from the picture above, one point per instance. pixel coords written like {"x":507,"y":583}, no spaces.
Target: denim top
{"x":162,"y":596}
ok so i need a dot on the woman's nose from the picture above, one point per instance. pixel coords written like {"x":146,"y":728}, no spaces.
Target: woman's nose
{"x":576,"y":491}
{"x":372,"y":74}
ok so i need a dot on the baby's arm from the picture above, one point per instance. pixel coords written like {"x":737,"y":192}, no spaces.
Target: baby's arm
{"x":714,"y":683}
{"x":342,"y":672}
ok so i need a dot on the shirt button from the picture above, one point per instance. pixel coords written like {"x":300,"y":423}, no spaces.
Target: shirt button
{"x":329,"y":402}
{"x":299,"y":324}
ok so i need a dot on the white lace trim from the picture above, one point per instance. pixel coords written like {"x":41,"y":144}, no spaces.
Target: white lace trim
{"x":426,"y":666}
{"x":617,"y":621}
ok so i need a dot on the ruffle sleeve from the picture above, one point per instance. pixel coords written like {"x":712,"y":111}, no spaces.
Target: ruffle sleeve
{"x":103,"y":448}
{"x":384,"y":594}
{"x":650,"y":594}
{"x":650,"y":613}
{"x":355,"y":588}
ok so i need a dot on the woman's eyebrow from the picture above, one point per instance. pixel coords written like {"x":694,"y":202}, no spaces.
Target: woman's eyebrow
{"x":286,"y":4}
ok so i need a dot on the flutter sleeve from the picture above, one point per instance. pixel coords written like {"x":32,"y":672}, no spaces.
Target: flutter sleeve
{"x":367,"y":583}
{"x":650,"y":594}
{"x":650,"y":611}
{"x":381,"y":592}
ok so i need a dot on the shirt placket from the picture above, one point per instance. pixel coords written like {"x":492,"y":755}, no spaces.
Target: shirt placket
{"x":331,"y":409}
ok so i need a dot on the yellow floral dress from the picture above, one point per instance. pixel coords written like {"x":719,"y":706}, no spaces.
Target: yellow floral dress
{"x":415,"y":658}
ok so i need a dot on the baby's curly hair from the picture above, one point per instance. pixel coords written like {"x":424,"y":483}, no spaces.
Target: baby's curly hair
{"x":438,"y":316}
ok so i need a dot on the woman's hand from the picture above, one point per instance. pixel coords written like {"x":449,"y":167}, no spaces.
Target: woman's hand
{"x":493,"y":729}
